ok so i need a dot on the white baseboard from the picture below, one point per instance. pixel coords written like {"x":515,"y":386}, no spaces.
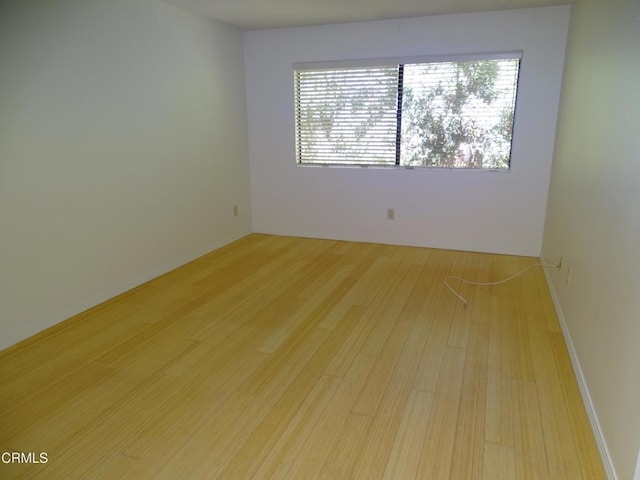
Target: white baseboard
{"x":582,"y":384}
{"x":70,"y":311}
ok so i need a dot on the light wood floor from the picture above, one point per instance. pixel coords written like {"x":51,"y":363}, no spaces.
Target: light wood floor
{"x":288,"y":358}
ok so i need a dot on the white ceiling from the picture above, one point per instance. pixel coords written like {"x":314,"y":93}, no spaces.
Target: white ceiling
{"x":260,"y":14}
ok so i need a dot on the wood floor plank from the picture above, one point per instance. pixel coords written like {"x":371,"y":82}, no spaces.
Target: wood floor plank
{"x":207,"y":444}
{"x":288,"y":358}
{"x":275,"y":436}
{"x":16,"y":419}
{"x":401,"y":285}
{"x":467,"y":458}
{"x":56,"y":427}
{"x":347,"y":450}
{"x":393,"y":403}
{"x":544,"y":297}
{"x":484,"y":296}
{"x":435,"y":349}
{"x":562,"y":456}
{"x":520,"y":345}
{"x":124,"y":467}
{"x":590,"y":461}
{"x":405,"y":458}
{"x":299,"y":429}
{"x":313,"y":454}
{"x":498,"y":419}
{"x":60,"y":363}
{"x":302,"y":309}
{"x":498,"y":462}
{"x":530,"y":454}
{"x":159,"y":438}
{"x":460,"y":323}
{"x":350,"y":349}
{"x":391,"y":353}
{"x":438,"y":444}
{"x":275,"y":400}
{"x":440,"y":306}
{"x":107,"y":434}
{"x":366,"y":288}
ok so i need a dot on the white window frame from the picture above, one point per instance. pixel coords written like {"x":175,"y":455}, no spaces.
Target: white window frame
{"x":396,"y":61}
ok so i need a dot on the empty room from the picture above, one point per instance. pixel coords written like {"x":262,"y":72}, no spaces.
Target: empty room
{"x":298,"y":239}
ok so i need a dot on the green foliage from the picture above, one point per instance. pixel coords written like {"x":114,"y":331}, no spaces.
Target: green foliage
{"x":444,"y":120}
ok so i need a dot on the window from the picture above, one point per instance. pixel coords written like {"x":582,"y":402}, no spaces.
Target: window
{"x":451,"y":114}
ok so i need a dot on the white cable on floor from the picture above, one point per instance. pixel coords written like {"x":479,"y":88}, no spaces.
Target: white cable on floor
{"x":488,"y":284}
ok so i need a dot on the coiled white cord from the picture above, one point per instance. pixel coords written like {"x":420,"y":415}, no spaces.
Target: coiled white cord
{"x":488,"y":284}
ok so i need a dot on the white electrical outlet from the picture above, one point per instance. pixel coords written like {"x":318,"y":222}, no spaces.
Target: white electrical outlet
{"x":391,"y":213}
{"x":553,"y":262}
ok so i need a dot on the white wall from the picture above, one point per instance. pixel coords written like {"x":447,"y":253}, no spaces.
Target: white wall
{"x":122,"y":150}
{"x":468,"y":210}
{"x":593,"y":217}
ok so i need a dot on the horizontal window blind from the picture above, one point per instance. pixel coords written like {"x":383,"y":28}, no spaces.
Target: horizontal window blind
{"x":433,"y":114}
{"x":458,"y":114}
{"x":346,"y":116}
